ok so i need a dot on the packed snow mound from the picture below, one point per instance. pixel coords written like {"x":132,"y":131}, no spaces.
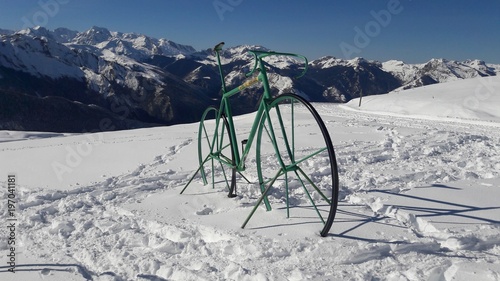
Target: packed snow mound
{"x":476,"y":99}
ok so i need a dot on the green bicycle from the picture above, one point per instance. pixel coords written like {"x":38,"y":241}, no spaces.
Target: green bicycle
{"x":293,"y":155}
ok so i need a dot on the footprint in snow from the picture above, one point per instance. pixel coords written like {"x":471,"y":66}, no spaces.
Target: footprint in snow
{"x":205,"y":211}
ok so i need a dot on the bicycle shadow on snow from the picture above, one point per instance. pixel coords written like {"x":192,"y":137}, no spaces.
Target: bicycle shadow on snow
{"x":443,"y":207}
{"x":52,"y":269}
{"x":356,"y":223}
{"x":49,"y":268}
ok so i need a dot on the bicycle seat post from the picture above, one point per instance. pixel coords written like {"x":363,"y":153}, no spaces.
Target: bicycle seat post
{"x":217,"y":49}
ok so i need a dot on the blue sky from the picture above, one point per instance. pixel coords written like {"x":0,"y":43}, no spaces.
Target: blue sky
{"x":410,"y":30}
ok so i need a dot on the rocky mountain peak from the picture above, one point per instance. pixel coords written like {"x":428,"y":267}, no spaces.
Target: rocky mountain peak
{"x":93,"y":36}
{"x":37,"y":31}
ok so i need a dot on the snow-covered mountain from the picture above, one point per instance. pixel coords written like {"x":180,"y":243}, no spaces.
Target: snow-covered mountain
{"x":438,"y":71}
{"x":139,"y":78}
{"x":136,"y":46}
{"x":42,"y":63}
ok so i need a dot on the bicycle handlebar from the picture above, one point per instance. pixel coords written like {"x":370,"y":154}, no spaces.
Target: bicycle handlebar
{"x":258,"y":55}
{"x":218,"y":47}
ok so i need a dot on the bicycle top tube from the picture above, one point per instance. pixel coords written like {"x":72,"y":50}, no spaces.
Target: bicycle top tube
{"x":259,"y":55}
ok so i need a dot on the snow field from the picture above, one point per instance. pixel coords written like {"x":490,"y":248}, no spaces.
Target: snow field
{"x":418,"y":202}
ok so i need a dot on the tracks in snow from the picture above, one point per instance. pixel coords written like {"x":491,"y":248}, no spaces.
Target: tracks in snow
{"x":376,"y":155}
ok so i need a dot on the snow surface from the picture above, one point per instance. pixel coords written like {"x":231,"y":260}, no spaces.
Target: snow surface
{"x":419,"y":201}
{"x":472,"y":100}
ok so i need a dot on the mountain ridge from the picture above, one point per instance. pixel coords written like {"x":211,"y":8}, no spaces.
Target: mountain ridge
{"x":158,"y":81}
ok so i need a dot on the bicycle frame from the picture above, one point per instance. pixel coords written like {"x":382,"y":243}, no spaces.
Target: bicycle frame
{"x":225,"y":110}
{"x":225,"y":106}
{"x":289,"y":159}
